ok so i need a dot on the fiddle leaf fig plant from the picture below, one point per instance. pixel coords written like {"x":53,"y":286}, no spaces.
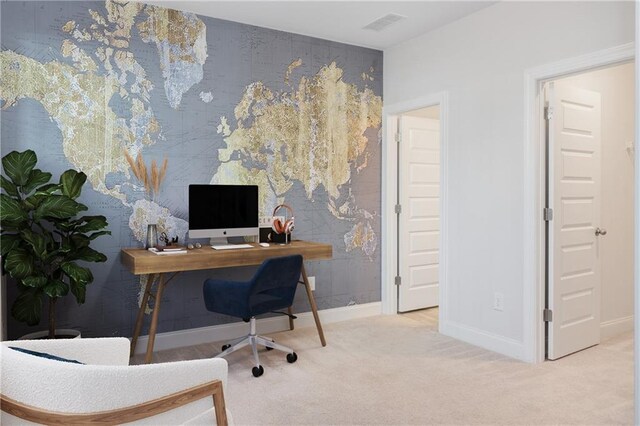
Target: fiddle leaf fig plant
{"x":43,"y":240}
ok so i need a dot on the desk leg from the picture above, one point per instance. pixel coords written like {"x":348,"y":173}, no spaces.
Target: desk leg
{"x":290,"y":312}
{"x":154,"y":319}
{"x":140,"y":319}
{"x":314,"y":308}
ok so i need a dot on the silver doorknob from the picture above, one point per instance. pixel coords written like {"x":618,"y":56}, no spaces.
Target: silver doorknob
{"x":601,"y":231}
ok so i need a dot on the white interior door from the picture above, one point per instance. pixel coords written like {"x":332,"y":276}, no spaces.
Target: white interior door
{"x":574,"y":185}
{"x":419,"y":177}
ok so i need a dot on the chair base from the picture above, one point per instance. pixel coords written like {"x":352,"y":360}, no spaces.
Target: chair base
{"x":253,"y":340}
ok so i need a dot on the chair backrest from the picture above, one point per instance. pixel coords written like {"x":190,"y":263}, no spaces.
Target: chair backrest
{"x":274,"y":284}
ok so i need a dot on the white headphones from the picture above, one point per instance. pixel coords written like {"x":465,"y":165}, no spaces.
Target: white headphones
{"x":288,"y":225}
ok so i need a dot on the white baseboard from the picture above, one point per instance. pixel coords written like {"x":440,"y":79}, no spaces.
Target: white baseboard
{"x":493,"y":342}
{"x":220,"y":333}
{"x":612,"y":328}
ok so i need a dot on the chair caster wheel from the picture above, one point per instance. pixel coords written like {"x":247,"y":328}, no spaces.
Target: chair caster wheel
{"x":292,"y":357}
{"x":225,"y":347}
{"x":268,"y":348}
{"x":257,"y":371}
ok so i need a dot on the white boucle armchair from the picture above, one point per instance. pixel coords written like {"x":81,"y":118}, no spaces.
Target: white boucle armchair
{"x":107,"y":390}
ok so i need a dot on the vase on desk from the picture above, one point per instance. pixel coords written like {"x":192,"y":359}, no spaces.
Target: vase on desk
{"x":152,"y":236}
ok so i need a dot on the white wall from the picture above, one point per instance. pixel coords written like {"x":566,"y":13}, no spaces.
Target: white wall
{"x":616,"y":85}
{"x":480,"y":61}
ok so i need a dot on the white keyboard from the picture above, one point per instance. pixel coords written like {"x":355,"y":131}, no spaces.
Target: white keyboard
{"x":231,"y":246}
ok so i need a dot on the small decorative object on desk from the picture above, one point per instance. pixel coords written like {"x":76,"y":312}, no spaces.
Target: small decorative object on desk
{"x":168,"y":250}
{"x":165,"y":239}
{"x":282,"y":229}
{"x":152,"y":236}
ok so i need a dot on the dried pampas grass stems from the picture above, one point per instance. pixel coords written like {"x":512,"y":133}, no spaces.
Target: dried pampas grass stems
{"x":152,"y":180}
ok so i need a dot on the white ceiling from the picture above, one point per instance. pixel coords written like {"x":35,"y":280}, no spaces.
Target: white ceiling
{"x":340,"y":21}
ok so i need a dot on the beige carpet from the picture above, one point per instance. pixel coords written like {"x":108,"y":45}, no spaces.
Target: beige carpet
{"x":399,"y":370}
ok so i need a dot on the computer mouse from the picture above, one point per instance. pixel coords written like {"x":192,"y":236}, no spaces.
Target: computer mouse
{"x":264,"y":244}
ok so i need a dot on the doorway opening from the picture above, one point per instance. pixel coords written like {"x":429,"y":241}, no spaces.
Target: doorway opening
{"x":414,"y":198}
{"x":588,"y":127}
{"x":418,"y":213}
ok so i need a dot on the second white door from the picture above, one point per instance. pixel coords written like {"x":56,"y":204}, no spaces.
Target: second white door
{"x":419,"y":230}
{"x":574,"y":260}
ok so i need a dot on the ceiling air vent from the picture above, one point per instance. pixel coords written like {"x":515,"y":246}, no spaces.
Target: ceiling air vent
{"x":382,"y":23}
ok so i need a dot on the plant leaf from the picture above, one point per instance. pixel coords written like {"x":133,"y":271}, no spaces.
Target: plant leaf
{"x":36,"y":178}
{"x":90,"y":255}
{"x":9,"y":242}
{"x":72,"y":182}
{"x":18,"y":165}
{"x":59,"y":207}
{"x":48,"y":189}
{"x":19,"y":263}
{"x":28,"y":306}
{"x":35,"y":281}
{"x":56,"y":288}
{"x":79,"y":290}
{"x":65,"y":225}
{"x":37,"y":242}
{"x":11,"y":210}
{"x":8,"y":186}
{"x":93,"y":223}
{"x":77,"y":273}
{"x":66,"y":246}
{"x":33,"y":201}
{"x":97,"y":234}
{"x":80,"y":240}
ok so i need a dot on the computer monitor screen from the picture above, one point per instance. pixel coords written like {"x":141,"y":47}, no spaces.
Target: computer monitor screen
{"x":217,"y":211}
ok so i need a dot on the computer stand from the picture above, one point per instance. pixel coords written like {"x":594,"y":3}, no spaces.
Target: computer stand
{"x":220,"y":241}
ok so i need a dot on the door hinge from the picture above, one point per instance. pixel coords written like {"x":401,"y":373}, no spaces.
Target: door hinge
{"x":547,"y":315}
{"x":548,"y":113}
{"x":398,"y":209}
{"x":398,"y":281}
{"x":547,"y":214}
{"x":398,"y":137}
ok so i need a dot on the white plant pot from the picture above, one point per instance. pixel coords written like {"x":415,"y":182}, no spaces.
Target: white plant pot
{"x":43,"y":334}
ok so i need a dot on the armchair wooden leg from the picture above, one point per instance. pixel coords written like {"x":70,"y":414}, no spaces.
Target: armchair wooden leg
{"x":314,"y":308}
{"x":218,"y":403}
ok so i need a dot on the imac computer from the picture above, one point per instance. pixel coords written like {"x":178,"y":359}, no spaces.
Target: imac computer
{"x":222,"y":211}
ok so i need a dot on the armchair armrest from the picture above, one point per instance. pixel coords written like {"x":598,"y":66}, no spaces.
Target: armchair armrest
{"x":93,"y":351}
{"x":61,"y":387}
{"x":125,"y":414}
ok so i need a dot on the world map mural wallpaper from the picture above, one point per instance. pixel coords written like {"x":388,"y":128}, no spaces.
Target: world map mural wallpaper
{"x":83,"y":83}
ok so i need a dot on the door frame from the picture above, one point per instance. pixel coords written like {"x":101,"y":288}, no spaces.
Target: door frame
{"x":534,"y":188}
{"x":390,"y":114}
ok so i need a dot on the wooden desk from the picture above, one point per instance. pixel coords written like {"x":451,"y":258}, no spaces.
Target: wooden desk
{"x":142,"y":262}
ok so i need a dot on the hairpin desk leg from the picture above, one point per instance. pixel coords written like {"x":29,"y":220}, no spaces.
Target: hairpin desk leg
{"x":314,"y":307}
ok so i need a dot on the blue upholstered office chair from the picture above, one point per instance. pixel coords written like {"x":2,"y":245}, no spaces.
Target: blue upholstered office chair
{"x":272,"y":287}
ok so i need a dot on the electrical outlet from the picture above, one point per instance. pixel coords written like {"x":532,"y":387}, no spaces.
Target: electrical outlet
{"x":312,"y":283}
{"x":498,"y":301}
